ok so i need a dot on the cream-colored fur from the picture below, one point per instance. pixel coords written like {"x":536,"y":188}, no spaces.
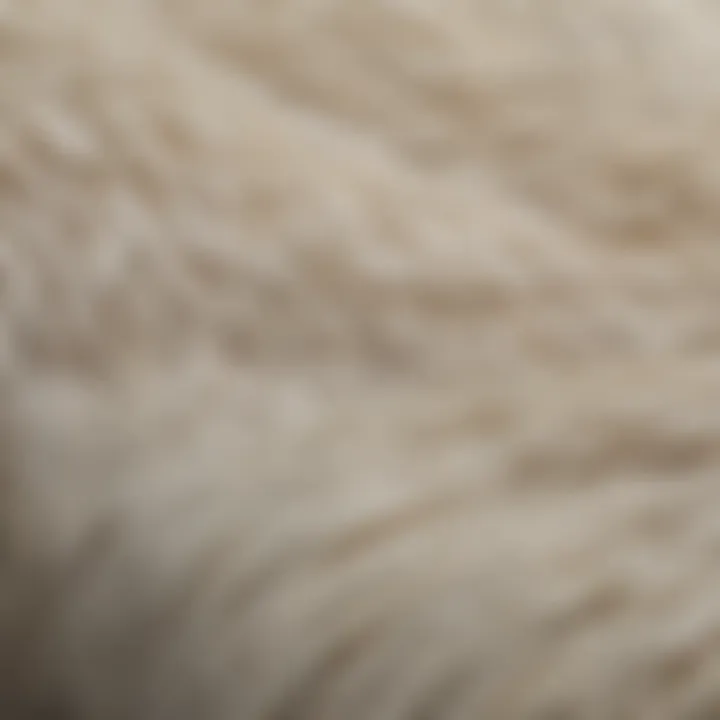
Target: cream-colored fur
{"x":360,"y":359}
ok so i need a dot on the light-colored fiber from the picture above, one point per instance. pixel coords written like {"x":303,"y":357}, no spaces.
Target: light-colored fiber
{"x":359,"y":360}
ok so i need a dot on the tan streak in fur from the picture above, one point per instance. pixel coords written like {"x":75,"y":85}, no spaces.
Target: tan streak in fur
{"x":358,"y":360}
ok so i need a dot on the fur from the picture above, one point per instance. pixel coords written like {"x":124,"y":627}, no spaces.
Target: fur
{"x":359,"y":359}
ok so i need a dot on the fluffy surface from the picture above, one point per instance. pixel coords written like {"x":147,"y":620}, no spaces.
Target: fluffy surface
{"x":359,"y":359}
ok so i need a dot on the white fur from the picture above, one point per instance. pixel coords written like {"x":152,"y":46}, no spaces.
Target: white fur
{"x":359,"y":359}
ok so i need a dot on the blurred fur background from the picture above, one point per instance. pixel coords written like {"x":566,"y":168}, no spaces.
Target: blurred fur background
{"x":359,"y":359}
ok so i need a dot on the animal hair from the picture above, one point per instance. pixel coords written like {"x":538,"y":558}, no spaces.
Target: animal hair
{"x":359,"y":359}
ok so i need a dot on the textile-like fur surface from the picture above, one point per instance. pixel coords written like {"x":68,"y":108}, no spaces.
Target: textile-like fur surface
{"x":359,"y":359}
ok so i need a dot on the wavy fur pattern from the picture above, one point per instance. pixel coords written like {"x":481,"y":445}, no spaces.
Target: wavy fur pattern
{"x":359,"y":359}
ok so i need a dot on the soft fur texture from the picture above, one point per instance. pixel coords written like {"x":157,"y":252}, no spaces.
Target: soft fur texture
{"x":360,"y":359}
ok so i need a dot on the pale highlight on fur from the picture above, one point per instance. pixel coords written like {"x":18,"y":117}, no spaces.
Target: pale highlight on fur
{"x":359,"y":360}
